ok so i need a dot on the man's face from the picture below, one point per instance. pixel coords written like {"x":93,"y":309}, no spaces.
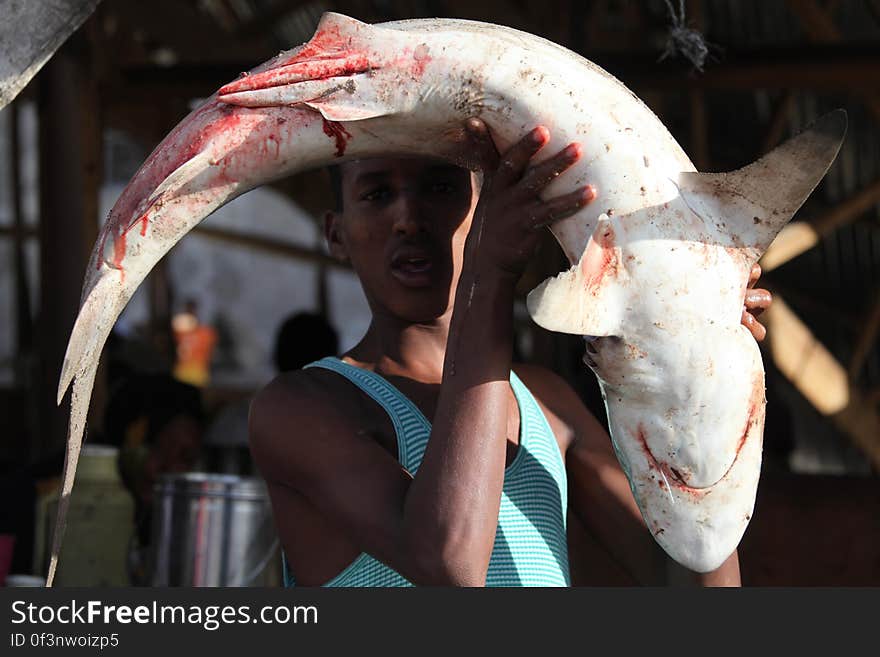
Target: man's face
{"x":403,"y":226}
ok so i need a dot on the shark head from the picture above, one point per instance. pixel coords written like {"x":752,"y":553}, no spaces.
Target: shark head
{"x":658,"y":295}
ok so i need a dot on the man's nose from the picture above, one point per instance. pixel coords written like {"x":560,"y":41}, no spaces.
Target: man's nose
{"x":409,"y":217}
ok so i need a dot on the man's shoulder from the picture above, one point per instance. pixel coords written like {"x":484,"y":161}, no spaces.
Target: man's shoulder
{"x":560,"y":402}
{"x":545,"y":384}
{"x":292,"y":388}
{"x":298,"y":423}
{"x":302,"y":397}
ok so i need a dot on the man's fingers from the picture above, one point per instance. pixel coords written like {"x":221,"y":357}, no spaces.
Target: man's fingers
{"x":514,"y":162}
{"x":551,"y":211}
{"x":755,"y":327}
{"x":482,"y":144}
{"x":541,"y":175}
{"x":754,"y":274}
{"x":757,"y":299}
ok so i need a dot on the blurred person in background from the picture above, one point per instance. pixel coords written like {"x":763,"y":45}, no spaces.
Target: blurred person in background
{"x":303,"y":338}
{"x":195,"y":344}
{"x":157,"y":424}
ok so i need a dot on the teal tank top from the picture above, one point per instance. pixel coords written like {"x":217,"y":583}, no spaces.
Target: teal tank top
{"x":530,"y":543}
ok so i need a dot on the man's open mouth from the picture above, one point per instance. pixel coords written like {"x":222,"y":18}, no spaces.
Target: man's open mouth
{"x":412,"y":266}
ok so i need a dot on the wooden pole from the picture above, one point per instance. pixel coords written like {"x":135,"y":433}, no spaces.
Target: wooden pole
{"x":800,"y":236}
{"x":865,"y":341}
{"x":820,"y":378}
{"x":778,"y":122}
{"x":820,"y":28}
{"x":24,"y":361}
{"x":70,"y":148}
{"x":270,"y":246}
{"x":24,"y":330}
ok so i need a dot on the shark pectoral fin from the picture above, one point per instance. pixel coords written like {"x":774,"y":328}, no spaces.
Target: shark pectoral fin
{"x":355,"y":99}
{"x":586,"y":299}
{"x":753,"y":204}
{"x":333,"y":112}
{"x":351,"y":97}
{"x":334,"y":74}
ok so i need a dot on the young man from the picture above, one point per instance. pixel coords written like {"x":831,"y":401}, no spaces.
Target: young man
{"x":365,"y":490}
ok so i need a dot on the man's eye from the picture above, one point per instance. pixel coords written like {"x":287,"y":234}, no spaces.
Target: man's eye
{"x":376,"y":194}
{"x":442,"y":187}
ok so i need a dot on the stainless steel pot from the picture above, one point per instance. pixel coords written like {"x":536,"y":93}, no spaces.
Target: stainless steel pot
{"x":210,"y":530}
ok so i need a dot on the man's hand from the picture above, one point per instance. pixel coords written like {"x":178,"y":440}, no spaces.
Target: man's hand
{"x":757,"y":301}
{"x":510,"y":212}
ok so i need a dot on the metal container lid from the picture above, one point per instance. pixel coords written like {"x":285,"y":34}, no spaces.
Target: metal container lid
{"x":207,"y":484}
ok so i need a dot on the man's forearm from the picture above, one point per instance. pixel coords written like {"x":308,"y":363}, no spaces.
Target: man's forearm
{"x":453,"y":502}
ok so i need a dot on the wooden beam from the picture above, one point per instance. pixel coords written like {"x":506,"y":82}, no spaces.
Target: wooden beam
{"x":820,"y":378}
{"x":270,"y":246}
{"x":778,"y":122}
{"x":816,"y":23}
{"x":189,"y":33}
{"x":24,"y":332}
{"x":839,"y":67}
{"x":808,"y":302}
{"x":14,"y":231}
{"x":865,"y":341}
{"x":799,"y":236}
{"x":795,"y":238}
{"x":820,"y":28}
{"x":70,"y":151}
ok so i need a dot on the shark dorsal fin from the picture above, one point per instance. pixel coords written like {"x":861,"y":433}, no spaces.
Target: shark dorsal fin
{"x":756,"y":201}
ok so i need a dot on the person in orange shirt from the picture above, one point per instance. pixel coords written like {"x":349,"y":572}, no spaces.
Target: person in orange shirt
{"x":195,"y":346}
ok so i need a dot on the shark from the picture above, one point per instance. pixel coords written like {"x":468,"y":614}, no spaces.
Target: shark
{"x":659,"y":261}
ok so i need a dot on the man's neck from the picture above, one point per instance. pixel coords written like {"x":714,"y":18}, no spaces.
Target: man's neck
{"x":395,"y":348}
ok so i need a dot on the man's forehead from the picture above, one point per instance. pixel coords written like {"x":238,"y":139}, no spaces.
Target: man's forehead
{"x":354,"y":170}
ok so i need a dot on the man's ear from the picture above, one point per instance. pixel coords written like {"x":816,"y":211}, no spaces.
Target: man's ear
{"x":333,"y":236}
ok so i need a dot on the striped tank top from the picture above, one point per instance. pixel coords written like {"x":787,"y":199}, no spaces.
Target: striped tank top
{"x":530,"y":542}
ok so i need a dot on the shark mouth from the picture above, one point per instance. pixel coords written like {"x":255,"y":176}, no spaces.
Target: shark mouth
{"x":672,"y":477}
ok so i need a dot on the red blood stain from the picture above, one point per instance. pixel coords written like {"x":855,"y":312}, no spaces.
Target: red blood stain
{"x":337,"y":131}
{"x":422,"y":58}
{"x":326,"y":40}
{"x":756,"y":404}
{"x":144,"y":221}
{"x":600,"y":260}
{"x":672,"y":476}
{"x":119,"y":252}
{"x":340,"y":65}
